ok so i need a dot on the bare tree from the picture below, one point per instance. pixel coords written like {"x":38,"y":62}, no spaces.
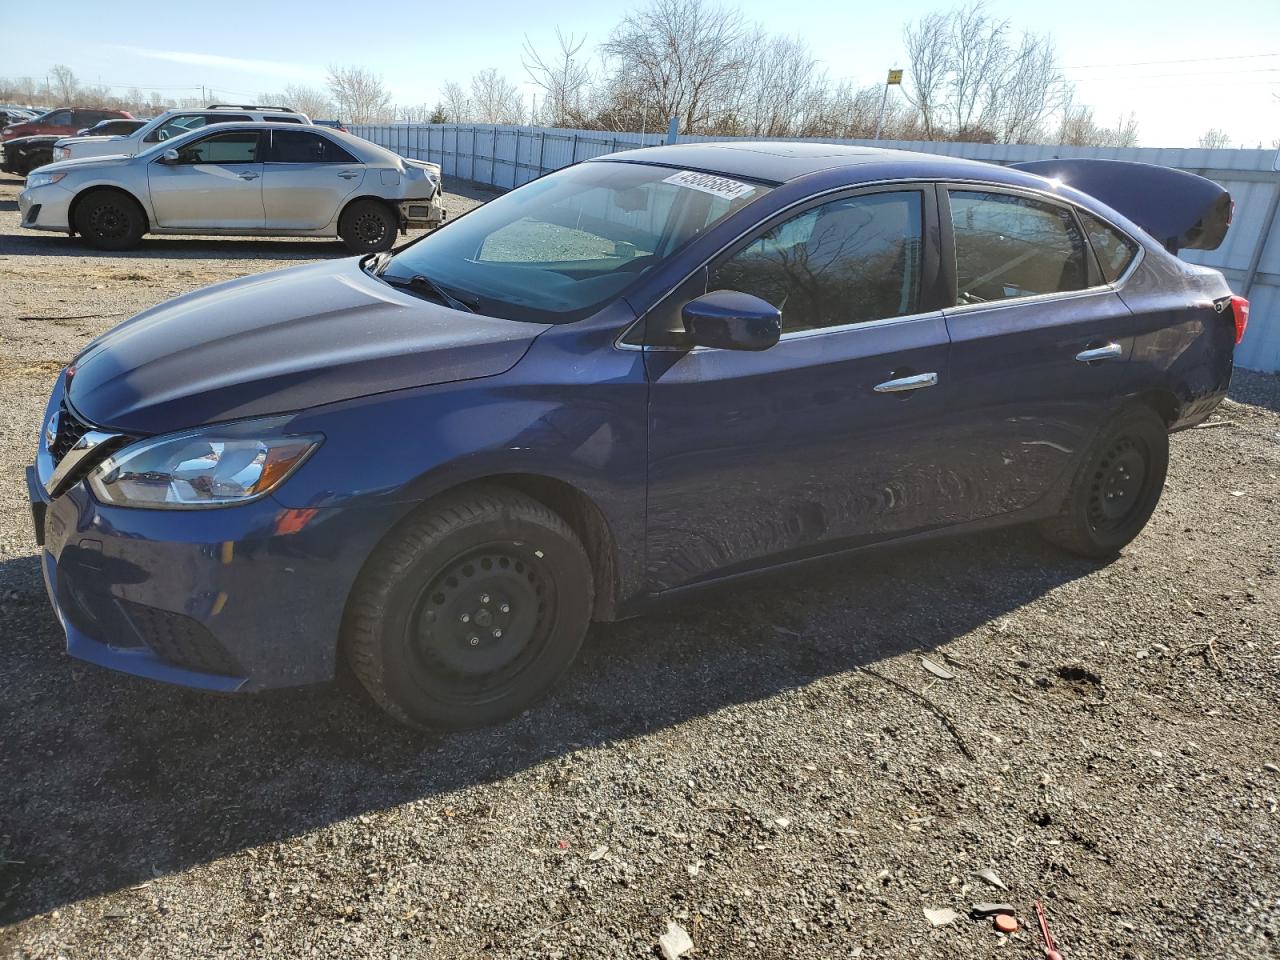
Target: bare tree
{"x":495,"y":99}
{"x":359,"y":93}
{"x":564,"y":80}
{"x":63,"y":84}
{"x":676,"y":58}
{"x":929,"y":61}
{"x":312,"y":101}
{"x":1214,"y":139}
{"x":1078,"y":129}
{"x":456,"y":103}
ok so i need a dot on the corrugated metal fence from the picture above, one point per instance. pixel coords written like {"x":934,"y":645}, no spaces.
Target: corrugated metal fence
{"x":507,"y":156}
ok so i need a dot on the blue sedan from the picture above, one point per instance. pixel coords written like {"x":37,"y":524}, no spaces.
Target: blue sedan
{"x":626,"y":380}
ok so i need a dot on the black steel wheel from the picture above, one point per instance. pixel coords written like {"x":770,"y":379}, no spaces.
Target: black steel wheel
{"x":471,"y":611}
{"x":1117,"y":487}
{"x":368,"y":226}
{"x":110,"y":220}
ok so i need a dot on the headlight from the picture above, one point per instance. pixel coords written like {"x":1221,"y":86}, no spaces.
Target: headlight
{"x":43,"y":179}
{"x":217,"y":466}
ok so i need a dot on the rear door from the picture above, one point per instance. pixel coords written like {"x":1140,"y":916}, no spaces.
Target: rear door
{"x":1039,"y":345}
{"x":832,"y":435}
{"x":306,"y":179}
{"x":217,"y":183}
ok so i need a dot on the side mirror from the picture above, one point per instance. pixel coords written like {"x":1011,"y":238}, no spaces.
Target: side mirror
{"x":170,"y":156}
{"x":729,"y":320}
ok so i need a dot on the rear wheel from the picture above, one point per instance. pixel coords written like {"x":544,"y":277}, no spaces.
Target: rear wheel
{"x":1117,"y":487}
{"x":368,"y":226}
{"x":109,"y":220}
{"x":471,"y":612}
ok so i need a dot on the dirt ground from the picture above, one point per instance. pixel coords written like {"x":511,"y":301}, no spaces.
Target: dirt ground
{"x":772,"y":766}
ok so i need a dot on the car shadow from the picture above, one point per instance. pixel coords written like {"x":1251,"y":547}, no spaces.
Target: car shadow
{"x":110,"y":780}
{"x":177,"y":248}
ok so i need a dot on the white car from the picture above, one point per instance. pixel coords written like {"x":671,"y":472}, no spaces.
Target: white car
{"x":167,"y":126}
{"x":239,"y":179}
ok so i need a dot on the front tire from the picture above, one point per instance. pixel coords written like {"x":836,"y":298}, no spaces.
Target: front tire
{"x":109,"y":220}
{"x":368,"y":226}
{"x":1117,"y":487}
{"x":471,"y":611}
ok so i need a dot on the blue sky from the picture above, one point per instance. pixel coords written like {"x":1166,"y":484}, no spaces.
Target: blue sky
{"x":241,"y":51}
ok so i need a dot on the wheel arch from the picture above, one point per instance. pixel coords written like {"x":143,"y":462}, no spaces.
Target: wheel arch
{"x":570,"y":503}
{"x":358,"y":198}
{"x":110,"y":188}
{"x":1163,"y":402}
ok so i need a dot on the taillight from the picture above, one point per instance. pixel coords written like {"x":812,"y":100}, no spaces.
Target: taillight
{"x":1240,"y":310}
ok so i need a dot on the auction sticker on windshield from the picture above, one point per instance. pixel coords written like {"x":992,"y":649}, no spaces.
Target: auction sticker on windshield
{"x":710,"y":183}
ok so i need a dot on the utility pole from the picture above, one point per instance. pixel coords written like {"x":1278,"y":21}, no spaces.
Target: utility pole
{"x":893,"y":80}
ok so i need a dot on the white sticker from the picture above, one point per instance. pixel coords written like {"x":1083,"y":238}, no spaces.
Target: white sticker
{"x":712,"y":184}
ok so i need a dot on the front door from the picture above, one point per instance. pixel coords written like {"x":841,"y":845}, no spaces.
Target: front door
{"x":1039,"y":346}
{"x":829,"y":437}
{"x":307,"y":178}
{"x":215,"y":184}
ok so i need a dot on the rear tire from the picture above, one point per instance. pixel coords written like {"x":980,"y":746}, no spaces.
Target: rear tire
{"x":1117,"y":487}
{"x":109,"y":220}
{"x":368,"y":226}
{"x":471,"y":611}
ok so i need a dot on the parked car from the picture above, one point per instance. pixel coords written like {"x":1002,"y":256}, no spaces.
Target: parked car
{"x":169,"y":125}
{"x":239,"y":179}
{"x":111,"y":128}
{"x":63,"y":121}
{"x":334,"y":124}
{"x":636,"y":376}
{"x":25,"y":154}
{"x":10,"y":115}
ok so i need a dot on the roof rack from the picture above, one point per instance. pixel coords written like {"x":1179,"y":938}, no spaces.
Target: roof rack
{"x":248,"y":106}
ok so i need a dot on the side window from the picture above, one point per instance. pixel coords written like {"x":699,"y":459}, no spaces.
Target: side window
{"x":849,"y":261}
{"x":274,"y":119}
{"x":288,"y":146}
{"x":1115,"y":251}
{"x":60,"y":119}
{"x":1009,"y":246}
{"x":240,"y":146}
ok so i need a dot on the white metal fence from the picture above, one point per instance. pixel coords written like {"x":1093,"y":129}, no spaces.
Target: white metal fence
{"x":507,"y":156}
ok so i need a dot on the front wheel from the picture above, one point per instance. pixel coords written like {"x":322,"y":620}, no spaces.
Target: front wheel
{"x":471,"y":611}
{"x":1117,"y":487}
{"x":110,"y":221}
{"x":368,"y":226}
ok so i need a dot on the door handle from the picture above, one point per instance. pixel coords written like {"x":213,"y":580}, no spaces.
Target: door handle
{"x":1109,"y":351}
{"x":902,"y":384}
{"x":348,"y":174}
{"x":247,"y":175}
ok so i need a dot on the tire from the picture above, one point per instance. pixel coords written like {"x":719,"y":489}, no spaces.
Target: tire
{"x":1117,"y":487}
{"x":471,"y":611}
{"x":368,"y":226}
{"x":109,"y":220}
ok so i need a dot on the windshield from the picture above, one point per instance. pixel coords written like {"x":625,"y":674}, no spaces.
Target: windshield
{"x":561,"y":247}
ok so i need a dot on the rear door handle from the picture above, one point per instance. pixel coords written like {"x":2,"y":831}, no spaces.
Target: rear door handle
{"x":248,"y":176}
{"x":1109,"y":351}
{"x":348,"y":174}
{"x":903,"y":384}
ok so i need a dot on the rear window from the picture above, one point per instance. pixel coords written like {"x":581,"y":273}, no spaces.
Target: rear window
{"x":1115,"y":251}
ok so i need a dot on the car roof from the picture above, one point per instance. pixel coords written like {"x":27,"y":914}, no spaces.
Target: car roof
{"x":779,"y":161}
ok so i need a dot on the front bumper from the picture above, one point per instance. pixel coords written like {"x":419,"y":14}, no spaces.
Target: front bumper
{"x":51,"y":203}
{"x":241,"y":598}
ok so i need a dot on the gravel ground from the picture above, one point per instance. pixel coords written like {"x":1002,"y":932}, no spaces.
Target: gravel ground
{"x":772,"y":767}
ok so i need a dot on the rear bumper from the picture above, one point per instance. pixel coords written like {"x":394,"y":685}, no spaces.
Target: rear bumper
{"x":422,"y":213}
{"x":238,"y":599}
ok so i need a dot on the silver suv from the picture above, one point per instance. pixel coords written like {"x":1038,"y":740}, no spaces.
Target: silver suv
{"x":171,"y":123}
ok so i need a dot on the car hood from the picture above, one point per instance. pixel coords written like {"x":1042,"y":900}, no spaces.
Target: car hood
{"x":96,"y":138}
{"x":280,"y":342}
{"x":74,"y":166}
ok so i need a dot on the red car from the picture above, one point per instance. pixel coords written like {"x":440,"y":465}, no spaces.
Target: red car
{"x":63,"y":122}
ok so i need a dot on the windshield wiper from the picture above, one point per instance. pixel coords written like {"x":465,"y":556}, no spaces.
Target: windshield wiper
{"x":424,"y":283}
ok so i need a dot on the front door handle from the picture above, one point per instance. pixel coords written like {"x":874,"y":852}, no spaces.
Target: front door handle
{"x":903,"y":384}
{"x":248,"y":175}
{"x":1108,"y":351}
